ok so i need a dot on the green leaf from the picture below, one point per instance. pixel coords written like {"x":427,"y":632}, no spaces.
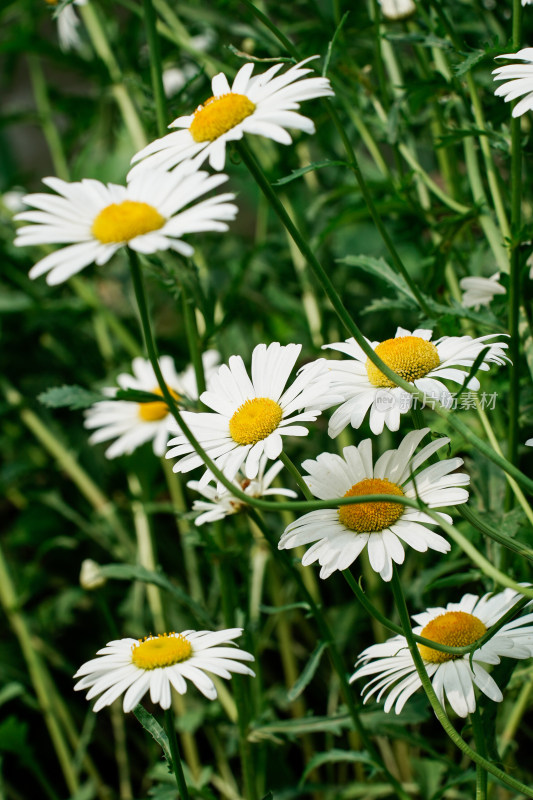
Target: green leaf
{"x":380,"y":269}
{"x":309,"y":671}
{"x":334,"y":756}
{"x":298,"y":727}
{"x":74,"y":397}
{"x":281,"y":609}
{"x":153,"y":727}
{"x":297,"y":173}
{"x":135,"y":572}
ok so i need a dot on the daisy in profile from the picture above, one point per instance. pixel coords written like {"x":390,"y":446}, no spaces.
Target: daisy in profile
{"x":153,"y":212}
{"x":250,"y":416}
{"x":518,"y":79}
{"x":397,"y":9}
{"x":132,"y":424}
{"x":220,"y":503}
{"x":480,"y":291}
{"x":67,"y":25}
{"x":265,"y":105}
{"x":157,"y":663}
{"x":453,"y":676}
{"x":340,"y":534}
{"x":417,"y":360}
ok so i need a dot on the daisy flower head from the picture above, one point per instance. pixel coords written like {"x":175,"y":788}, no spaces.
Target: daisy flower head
{"x":251,"y":415}
{"x":453,"y":676}
{"x":265,"y":105}
{"x":518,"y":79}
{"x":219,"y":502}
{"x":131,"y":424}
{"x":480,"y":291}
{"x":157,"y":663}
{"x":417,"y":360}
{"x":151,"y":213}
{"x":339,"y":535}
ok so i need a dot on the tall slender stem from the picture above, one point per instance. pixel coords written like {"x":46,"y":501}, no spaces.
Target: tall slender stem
{"x":191,"y":332}
{"x":296,"y":475}
{"x":156,"y":68}
{"x":432,"y":697}
{"x":176,"y":760}
{"x":479,"y":738}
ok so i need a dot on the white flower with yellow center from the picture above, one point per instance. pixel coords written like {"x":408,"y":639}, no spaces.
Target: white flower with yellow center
{"x":265,"y":105}
{"x":453,"y":676}
{"x":251,"y":416}
{"x":340,"y":534}
{"x":518,"y":80}
{"x":220,"y":502}
{"x":151,"y":213}
{"x":480,"y":291}
{"x":417,"y":360}
{"x":132,"y":424}
{"x":157,"y":663}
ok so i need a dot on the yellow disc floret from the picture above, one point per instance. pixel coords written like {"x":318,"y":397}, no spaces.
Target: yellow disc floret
{"x":371,"y":517}
{"x":255,"y":420}
{"x":161,"y":651}
{"x":153,"y":412}
{"x":121,"y":222}
{"x":410,"y":356}
{"x":219,"y":115}
{"x":454,"y":629}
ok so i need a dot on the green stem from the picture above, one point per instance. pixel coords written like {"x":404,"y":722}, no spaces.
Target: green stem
{"x":156,"y":68}
{"x":44,"y":110}
{"x":481,"y":747}
{"x":432,"y":697}
{"x":492,"y":533}
{"x":296,"y":475}
{"x":191,"y":332}
{"x":336,"y":659}
{"x":176,"y":760}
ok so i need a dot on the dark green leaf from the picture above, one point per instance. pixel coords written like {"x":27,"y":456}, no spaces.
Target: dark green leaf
{"x":153,"y":727}
{"x":349,"y":756}
{"x":297,"y":173}
{"x":309,"y":671}
{"x":74,"y":397}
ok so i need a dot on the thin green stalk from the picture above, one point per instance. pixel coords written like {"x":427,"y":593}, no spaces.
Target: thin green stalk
{"x":336,"y":658}
{"x":44,"y":110}
{"x":296,"y":475}
{"x":481,"y":747}
{"x":432,"y":697}
{"x":176,"y":760}
{"x":519,"y":708}
{"x":98,"y":36}
{"x":517,"y":547}
{"x":191,"y":332}
{"x":156,"y":68}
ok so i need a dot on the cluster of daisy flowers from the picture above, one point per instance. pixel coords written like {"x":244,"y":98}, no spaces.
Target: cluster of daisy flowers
{"x":166,"y":199}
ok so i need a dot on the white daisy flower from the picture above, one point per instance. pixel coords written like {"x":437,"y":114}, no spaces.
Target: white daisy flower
{"x":416,"y":359}
{"x":67,"y":25}
{"x":251,"y":416}
{"x":519,"y":80}
{"x":529,"y":442}
{"x":132,"y":424}
{"x":340,"y":534}
{"x":397,"y":9}
{"x":453,"y":677}
{"x":265,"y":105}
{"x":156,"y":663}
{"x":151,"y":213}
{"x":220,"y":502}
{"x":480,"y":291}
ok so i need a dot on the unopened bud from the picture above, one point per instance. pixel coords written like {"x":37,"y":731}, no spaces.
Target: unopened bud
{"x":91,"y":576}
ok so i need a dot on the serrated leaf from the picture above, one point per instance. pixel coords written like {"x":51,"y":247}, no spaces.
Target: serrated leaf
{"x":349,"y":756}
{"x":308,"y":672}
{"x":474,"y":58}
{"x":380,"y":269}
{"x":153,"y":727}
{"x":297,"y":173}
{"x":135,"y":572}
{"x":73,"y":397}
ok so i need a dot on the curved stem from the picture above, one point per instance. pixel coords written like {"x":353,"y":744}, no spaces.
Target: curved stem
{"x":296,"y":475}
{"x":176,"y":760}
{"x":432,"y":697}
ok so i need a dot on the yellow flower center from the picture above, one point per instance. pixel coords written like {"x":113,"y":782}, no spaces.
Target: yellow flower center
{"x":152,"y":412}
{"x":410,"y":356}
{"x":219,"y":115}
{"x":121,"y":222}
{"x":255,"y":420}
{"x":161,"y":651}
{"x":454,"y":629}
{"x":371,"y":517}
